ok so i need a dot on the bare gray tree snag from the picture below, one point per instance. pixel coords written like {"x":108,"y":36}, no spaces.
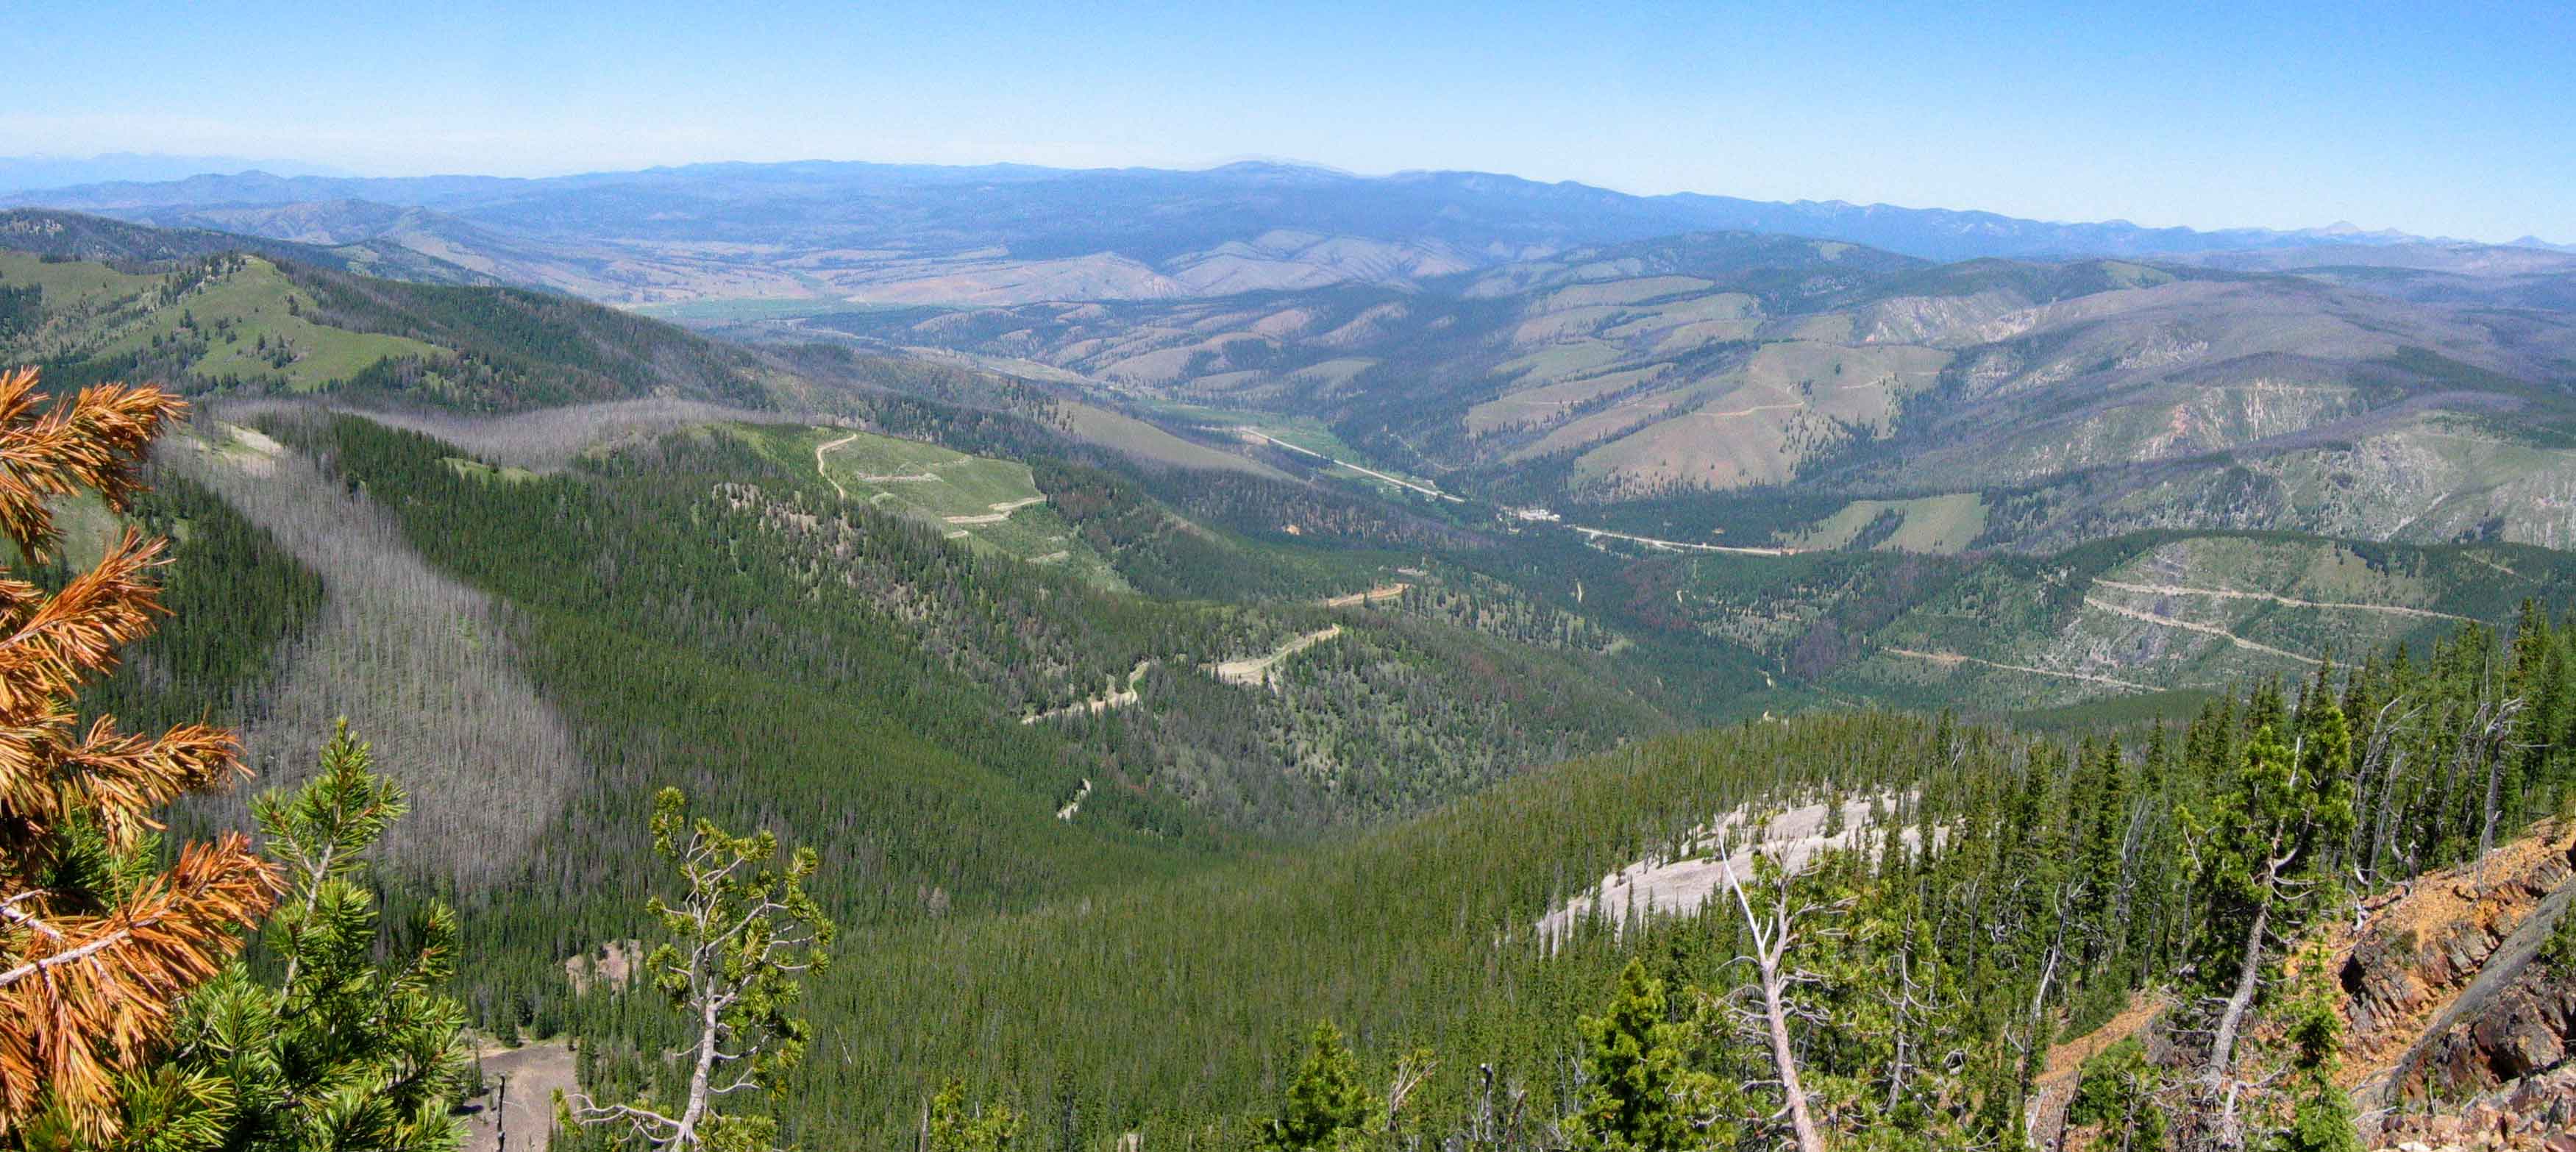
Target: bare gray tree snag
{"x":2384,"y":756}
{"x":2490,"y":733}
{"x":2219,"y":1078}
{"x":1773,"y":934}
{"x":1410,"y":1072}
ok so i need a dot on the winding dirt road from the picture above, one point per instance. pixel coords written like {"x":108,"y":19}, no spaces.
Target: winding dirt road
{"x":2292,"y":602}
{"x":1253,"y":670}
{"x":819,"y":450}
{"x":999,"y":513}
{"x":1750,"y":411}
{"x":1954,"y":659}
{"x":1372,"y":596}
{"x":1075,"y":805}
{"x":1371,"y":472}
{"x":2196,"y":626}
{"x":1679,"y":545}
{"x":1098,"y":704}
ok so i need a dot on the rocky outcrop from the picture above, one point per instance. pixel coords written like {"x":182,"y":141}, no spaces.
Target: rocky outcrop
{"x":2437,"y":962}
{"x":2461,"y":1035}
{"x":2522,"y":1030}
{"x":2460,"y":1031}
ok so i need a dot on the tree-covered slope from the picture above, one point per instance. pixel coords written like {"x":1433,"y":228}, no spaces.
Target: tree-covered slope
{"x":1074,"y":828}
{"x":248,"y":323}
{"x":699,"y":610}
{"x":2048,"y":887}
{"x":2135,"y":618}
{"x":75,"y":236}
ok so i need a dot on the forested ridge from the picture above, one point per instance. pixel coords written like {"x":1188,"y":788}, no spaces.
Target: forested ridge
{"x":701,"y":537}
{"x":1143,"y":969}
{"x":837,"y":670}
{"x":2068,"y":877}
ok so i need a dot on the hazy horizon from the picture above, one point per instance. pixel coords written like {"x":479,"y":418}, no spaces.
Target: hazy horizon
{"x":2296,"y":116}
{"x":296,"y":169}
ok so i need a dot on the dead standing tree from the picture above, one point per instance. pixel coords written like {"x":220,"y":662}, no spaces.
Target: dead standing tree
{"x":743,"y":936}
{"x":1497,"y":1126}
{"x":1774,"y":932}
{"x":2488,"y":738}
{"x":2383,"y":757}
{"x":1410,"y":1071}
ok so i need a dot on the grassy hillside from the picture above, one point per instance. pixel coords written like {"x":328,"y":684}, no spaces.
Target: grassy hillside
{"x":1933,"y":524}
{"x":97,"y":239}
{"x":246,"y":323}
{"x":207,"y":312}
{"x":987,"y":503}
{"x":224,"y":319}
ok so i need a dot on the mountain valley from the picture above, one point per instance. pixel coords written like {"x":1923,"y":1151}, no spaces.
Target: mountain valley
{"x":1179,"y":608}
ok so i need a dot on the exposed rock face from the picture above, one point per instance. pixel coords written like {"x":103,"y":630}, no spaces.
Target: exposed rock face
{"x":2460,"y":1033}
{"x":2437,"y":964}
{"x":2393,"y":975}
{"x":2523,"y":1030}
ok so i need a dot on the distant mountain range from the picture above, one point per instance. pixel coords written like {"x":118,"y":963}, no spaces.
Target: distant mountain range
{"x":1554,"y":343}
{"x":1008,"y":234}
{"x":66,"y":171}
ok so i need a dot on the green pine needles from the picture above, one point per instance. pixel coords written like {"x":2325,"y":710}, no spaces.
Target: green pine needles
{"x":955,"y":1126}
{"x":1328,"y":1107}
{"x":2322,"y":1117}
{"x":342,"y":1052}
{"x":2116,"y":1093}
{"x":742,"y":938}
{"x":1640,"y":1092}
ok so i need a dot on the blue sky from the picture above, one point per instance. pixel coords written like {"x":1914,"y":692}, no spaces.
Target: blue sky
{"x":2417,"y":116}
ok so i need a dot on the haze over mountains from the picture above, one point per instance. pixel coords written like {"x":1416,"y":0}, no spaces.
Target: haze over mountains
{"x":1557,"y":343}
{"x":66,"y":171}
{"x":1011,"y":233}
{"x":2056,"y":402}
